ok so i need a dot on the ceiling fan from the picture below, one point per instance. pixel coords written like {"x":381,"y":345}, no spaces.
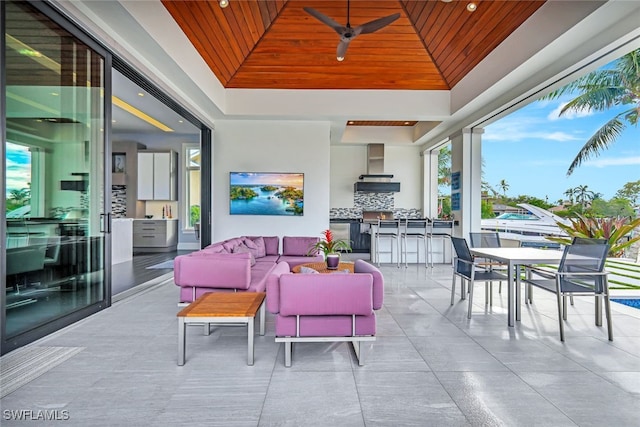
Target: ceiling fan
{"x":348,"y":33}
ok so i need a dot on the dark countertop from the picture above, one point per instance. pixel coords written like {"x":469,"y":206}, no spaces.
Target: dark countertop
{"x":344,"y":220}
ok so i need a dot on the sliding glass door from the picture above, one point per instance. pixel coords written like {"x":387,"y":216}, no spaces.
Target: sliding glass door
{"x":56,"y":216}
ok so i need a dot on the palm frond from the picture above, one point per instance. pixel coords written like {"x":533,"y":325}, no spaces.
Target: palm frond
{"x":603,"y":137}
{"x":597,"y":98}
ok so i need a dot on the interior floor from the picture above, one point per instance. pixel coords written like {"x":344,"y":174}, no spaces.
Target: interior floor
{"x":429,"y":365}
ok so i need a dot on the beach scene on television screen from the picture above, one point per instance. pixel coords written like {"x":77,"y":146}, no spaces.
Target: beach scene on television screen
{"x":254,"y":193}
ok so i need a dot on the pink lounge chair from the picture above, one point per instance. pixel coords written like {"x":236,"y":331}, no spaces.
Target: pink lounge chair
{"x":326,"y":307}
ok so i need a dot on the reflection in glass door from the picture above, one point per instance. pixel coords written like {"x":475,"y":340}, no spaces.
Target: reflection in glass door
{"x":54,"y":186}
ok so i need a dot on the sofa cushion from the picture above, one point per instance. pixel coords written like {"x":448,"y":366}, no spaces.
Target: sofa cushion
{"x":298,"y":246}
{"x":307,"y":270}
{"x":272,"y":245}
{"x":215,"y":248}
{"x":253,"y":247}
{"x":322,"y":326}
{"x":242,"y":249}
{"x":317,"y":295}
{"x":294,"y":260}
{"x":269,"y":259}
{"x":231,"y":243}
{"x":213,"y":270}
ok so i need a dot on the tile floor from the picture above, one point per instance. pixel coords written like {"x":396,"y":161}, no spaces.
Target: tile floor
{"x":430,"y":366}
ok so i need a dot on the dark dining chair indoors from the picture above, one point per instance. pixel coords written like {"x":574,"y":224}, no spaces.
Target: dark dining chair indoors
{"x":581,"y":273}
{"x":465,"y":267}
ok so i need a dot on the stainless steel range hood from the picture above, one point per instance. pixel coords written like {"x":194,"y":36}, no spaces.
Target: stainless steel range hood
{"x":375,"y":180}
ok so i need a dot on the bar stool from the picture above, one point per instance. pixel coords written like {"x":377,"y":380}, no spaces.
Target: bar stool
{"x":414,"y":229}
{"x":437,"y":231}
{"x":390,"y":230}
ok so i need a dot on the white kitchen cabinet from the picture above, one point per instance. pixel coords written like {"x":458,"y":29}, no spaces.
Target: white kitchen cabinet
{"x":155,"y":235}
{"x":157,"y":175}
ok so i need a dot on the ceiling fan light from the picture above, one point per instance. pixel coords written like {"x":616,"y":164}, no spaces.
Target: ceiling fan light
{"x":340,"y":58}
{"x":471,"y":7}
{"x":224,"y":3}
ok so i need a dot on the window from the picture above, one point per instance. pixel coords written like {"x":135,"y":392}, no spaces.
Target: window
{"x":192,"y":180}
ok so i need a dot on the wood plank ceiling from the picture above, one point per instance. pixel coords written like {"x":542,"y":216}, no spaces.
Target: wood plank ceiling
{"x":275,"y":44}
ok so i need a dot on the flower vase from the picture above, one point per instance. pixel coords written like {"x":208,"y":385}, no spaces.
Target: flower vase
{"x":332,"y":261}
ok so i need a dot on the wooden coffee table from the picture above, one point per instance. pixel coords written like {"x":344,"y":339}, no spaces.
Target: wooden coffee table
{"x":321,"y":267}
{"x":222,"y":307}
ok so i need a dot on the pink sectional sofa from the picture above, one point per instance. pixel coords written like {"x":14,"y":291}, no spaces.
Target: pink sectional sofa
{"x":326,"y":307}
{"x":240,"y":264}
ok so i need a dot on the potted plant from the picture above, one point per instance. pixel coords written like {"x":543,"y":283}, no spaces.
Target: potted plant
{"x":330,"y":247}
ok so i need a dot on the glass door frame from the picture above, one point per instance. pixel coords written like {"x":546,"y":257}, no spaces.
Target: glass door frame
{"x":49,"y":327}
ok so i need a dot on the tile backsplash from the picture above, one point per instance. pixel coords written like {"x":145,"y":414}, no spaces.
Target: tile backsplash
{"x":119,"y":201}
{"x":365,"y":201}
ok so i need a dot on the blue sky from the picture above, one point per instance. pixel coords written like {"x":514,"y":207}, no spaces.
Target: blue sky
{"x":532,"y":149}
{"x":18,"y":167}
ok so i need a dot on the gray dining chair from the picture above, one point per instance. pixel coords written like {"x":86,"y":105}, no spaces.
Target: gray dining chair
{"x":488,"y":240}
{"x":548,"y":273}
{"x":581,"y":273}
{"x":465,"y":267}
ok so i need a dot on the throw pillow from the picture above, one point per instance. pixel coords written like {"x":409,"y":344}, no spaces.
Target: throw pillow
{"x":307,"y":270}
{"x":346,"y":271}
{"x":255,"y":251}
{"x":241,"y":249}
{"x":260,"y":244}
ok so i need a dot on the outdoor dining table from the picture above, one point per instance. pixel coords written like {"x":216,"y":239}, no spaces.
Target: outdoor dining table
{"x":514,"y":258}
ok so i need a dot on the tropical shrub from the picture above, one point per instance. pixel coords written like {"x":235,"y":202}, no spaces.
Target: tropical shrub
{"x":612,"y":229}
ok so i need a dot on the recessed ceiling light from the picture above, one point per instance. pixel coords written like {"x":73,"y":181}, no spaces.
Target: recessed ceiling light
{"x":113,"y":121}
{"x":406,"y":123}
{"x":180,"y":121}
{"x":140,"y":94}
{"x":54,"y":94}
{"x":350,"y":122}
{"x":446,"y":1}
{"x":471,"y":7}
{"x":224,"y":3}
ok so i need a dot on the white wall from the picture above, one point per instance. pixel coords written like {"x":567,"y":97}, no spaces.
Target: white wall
{"x":349,"y":162}
{"x":271,"y":146}
{"x":405,"y":164}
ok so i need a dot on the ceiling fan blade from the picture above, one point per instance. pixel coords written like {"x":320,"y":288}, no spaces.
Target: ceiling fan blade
{"x":342,"y":49}
{"x":376,"y":24}
{"x":325,"y":20}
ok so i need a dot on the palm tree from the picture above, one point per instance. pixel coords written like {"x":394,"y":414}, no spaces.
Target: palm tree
{"x":504,"y":186}
{"x":570,"y":193}
{"x":20,"y":197}
{"x":444,"y":166}
{"x":583,"y":195}
{"x":601,"y":90}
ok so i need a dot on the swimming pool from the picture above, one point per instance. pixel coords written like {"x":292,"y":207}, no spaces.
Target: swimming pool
{"x":631,"y":302}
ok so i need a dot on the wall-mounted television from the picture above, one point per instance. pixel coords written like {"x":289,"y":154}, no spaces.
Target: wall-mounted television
{"x":266,"y":193}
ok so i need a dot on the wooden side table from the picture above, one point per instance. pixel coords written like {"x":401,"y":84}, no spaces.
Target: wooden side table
{"x":321,"y":267}
{"x":222,"y":307}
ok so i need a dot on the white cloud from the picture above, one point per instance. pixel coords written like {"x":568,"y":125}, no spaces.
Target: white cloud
{"x":613,"y":161}
{"x":570,"y":114}
{"x":557,"y":136}
{"x":18,"y":175}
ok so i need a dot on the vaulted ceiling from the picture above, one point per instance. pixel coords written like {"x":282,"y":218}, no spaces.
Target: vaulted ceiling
{"x":275,"y":44}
